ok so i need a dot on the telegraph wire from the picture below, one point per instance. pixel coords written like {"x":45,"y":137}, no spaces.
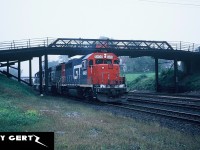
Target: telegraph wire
{"x":172,"y":3}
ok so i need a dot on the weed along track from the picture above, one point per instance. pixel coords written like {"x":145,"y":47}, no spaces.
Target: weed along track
{"x":80,"y":124}
{"x":180,"y":108}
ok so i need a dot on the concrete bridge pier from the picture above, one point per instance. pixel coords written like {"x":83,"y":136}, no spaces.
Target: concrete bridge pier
{"x":175,"y":76}
{"x":8,"y":69}
{"x":46,"y":73}
{"x":40,"y":75}
{"x":190,"y":66}
{"x":19,"y":71}
{"x":157,"y":85}
{"x":186,"y":67}
{"x":156,"y":75}
{"x":30,"y":72}
{"x":43,"y":74}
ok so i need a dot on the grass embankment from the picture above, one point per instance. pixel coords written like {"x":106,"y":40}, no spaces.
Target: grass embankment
{"x":12,"y":118}
{"x":141,"y":81}
{"x":146,"y":81}
{"x":77,"y":126}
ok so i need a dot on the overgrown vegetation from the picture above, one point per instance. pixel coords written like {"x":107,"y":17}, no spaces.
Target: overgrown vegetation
{"x":166,"y":81}
{"x":13,"y":118}
{"x":140,"y":81}
{"x":79,"y":127}
{"x":192,"y":82}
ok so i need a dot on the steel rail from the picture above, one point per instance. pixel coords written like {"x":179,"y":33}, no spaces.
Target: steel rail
{"x":171,"y":97}
{"x":149,"y":110}
{"x":181,"y":105}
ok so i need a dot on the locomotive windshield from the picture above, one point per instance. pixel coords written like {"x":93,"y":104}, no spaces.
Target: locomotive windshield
{"x":107,"y":61}
{"x":102,"y":61}
{"x":99,"y":61}
{"x":116,"y":61}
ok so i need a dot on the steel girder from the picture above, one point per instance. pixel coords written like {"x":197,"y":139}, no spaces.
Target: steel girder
{"x":104,"y":44}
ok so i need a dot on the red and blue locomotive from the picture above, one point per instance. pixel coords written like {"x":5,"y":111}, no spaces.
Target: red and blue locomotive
{"x":96,"y":75}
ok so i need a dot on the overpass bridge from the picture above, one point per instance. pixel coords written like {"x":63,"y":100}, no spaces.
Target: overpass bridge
{"x":27,"y":49}
{"x":12,"y":52}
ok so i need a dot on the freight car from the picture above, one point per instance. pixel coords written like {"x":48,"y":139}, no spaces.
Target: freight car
{"x":94,"y":76}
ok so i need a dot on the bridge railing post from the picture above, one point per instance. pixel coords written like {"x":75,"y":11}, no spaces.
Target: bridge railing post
{"x":44,"y":43}
{"x":13,"y":44}
{"x":29,"y":43}
{"x":193,"y":47}
{"x":40,"y":75}
{"x":47,"y":41}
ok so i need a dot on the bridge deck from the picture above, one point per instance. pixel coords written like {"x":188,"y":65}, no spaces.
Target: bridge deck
{"x":27,"y":49}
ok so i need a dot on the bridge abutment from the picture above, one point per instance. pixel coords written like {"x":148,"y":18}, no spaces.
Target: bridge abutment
{"x":190,"y":66}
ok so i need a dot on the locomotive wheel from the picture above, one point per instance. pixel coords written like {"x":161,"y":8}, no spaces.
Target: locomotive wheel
{"x":88,"y":94}
{"x":105,"y":98}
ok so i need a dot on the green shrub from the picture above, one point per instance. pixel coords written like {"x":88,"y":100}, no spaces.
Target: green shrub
{"x":12,"y":116}
{"x":166,"y":80}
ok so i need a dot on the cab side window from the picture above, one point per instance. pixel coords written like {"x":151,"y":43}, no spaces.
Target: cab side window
{"x":90,"y":63}
{"x":84,"y":66}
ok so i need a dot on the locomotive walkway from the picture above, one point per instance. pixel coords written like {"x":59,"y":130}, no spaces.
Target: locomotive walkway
{"x":12,"y":52}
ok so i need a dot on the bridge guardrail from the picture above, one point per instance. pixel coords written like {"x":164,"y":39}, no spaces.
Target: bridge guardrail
{"x":26,"y":43}
{"x":90,"y":43}
{"x":185,"y":46}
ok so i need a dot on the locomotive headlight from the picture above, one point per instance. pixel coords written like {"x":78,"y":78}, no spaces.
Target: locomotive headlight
{"x":102,"y":67}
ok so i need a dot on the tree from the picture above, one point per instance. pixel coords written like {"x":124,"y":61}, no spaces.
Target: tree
{"x":63,"y":58}
{"x":53,"y":63}
{"x":139,"y":64}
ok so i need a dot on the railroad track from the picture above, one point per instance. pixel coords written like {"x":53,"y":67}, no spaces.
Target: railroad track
{"x":165,"y":96}
{"x":192,"y":106}
{"x":193,"y":118}
{"x":158,"y":105}
{"x":163,"y":105}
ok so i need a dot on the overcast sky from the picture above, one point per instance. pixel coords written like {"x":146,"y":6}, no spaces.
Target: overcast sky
{"x":117,"y":19}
